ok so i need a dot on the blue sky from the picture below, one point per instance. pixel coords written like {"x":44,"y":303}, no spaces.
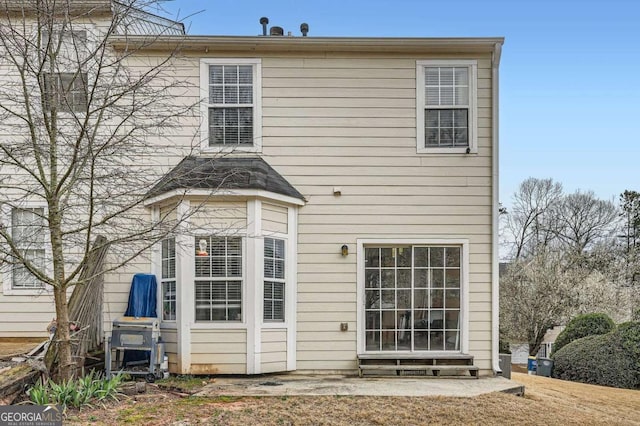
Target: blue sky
{"x":570,"y":76}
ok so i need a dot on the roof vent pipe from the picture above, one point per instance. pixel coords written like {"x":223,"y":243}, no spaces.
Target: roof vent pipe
{"x":276,"y":31}
{"x":304,"y":29}
{"x":264,"y":21}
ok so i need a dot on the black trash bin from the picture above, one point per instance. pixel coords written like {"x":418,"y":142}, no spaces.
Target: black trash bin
{"x":545,"y":367}
{"x":505,"y":365}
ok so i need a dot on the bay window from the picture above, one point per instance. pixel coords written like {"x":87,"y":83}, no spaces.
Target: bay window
{"x":274,"y":279}
{"x":168,"y":279}
{"x":218,"y":278}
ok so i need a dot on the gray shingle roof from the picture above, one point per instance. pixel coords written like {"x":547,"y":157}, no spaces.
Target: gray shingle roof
{"x":226,"y":173}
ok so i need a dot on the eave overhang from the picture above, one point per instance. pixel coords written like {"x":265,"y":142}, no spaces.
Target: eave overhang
{"x":266,"y":44}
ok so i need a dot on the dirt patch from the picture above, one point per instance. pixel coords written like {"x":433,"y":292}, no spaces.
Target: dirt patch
{"x":548,"y":401}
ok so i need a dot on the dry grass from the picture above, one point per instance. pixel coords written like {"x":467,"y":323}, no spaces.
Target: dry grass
{"x":548,"y":401}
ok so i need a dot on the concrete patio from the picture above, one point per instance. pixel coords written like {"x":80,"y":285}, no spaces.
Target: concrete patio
{"x":294,"y":384}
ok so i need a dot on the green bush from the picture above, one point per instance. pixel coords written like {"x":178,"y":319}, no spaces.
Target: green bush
{"x":611,"y":359}
{"x":75,"y":393}
{"x":583,"y":326}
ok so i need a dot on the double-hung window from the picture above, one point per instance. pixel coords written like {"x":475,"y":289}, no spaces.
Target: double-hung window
{"x":274,"y":279}
{"x":168,"y":279}
{"x":446,"y":106}
{"x":218,"y":278}
{"x":28,"y":234}
{"x":232,"y":103}
{"x":66,"y":88}
{"x":66,"y":91}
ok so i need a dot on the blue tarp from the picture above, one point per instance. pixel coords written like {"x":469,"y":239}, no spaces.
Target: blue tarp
{"x":142,"y":296}
{"x":142,"y":303}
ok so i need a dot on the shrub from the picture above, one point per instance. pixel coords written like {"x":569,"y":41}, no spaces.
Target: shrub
{"x":583,"y":326}
{"x":611,"y":359}
{"x":75,"y":393}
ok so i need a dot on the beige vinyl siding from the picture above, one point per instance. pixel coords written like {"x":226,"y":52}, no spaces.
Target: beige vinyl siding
{"x":350,"y":123}
{"x":274,"y":218}
{"x":170,"y":339}
{"x":218,"y":351}
{"x":219,"y":216}
{"x":340,"y":120}
{"x":25,"y":316}
{"x":273,"y":355}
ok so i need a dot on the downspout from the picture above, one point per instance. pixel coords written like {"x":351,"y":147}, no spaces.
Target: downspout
{"x":495,"y":281}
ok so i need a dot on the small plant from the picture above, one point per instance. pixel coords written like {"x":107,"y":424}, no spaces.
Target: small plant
{"x":75,"y":393}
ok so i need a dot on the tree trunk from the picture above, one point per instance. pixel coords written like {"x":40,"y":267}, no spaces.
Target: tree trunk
{"x":62,"y":338}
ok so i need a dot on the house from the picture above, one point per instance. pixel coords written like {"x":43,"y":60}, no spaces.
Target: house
{"x":358,"y":215}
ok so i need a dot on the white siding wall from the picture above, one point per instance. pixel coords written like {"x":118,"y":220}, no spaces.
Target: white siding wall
{"x":273,"y":355}
{"x":350,"y":123}
{"x":347,"y":121}
{"x":274,"y":219}
{"x":218,"y":351}
{"x":170,"y":339}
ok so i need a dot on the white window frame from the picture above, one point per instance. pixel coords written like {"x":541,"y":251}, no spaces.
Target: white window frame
{"x":164,"y":280}
{"x":472,"y":64}
{"x":65,"y":105}
{"x":7,"y":276}
{"x":242,"y":278}
{"x":464,"y":289}
{"x":257,"y":105}
{"x":282,"y":281}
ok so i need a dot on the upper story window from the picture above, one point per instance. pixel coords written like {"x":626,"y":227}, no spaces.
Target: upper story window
{"x":65,"y":82}
{"x":446,"y":106}
{"x":231,"y":107}
{"x":66,"y":91}
{"x":27,"y":232}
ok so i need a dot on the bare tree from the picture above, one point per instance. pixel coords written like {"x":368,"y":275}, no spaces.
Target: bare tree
{"x":84,"y":138}
{"x":530,"y":218}
{"x":583,"y":220}
{"x":537,"y":293}
{"x":562,"y":260}
{"x":630,"y":236}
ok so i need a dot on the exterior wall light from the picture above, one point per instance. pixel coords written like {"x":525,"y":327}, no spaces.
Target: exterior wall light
{"x":345,"y":250}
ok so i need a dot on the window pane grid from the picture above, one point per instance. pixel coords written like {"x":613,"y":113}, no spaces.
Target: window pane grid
{"x":231,"y":105}
{"x":447,"y":100}
{"x":168,"y":278}
{"x":66,"y":91}
{"x":27,"y":232}
{"x":274,"y":276}
{"x":218,"y":260}
{"x":423,"y":315}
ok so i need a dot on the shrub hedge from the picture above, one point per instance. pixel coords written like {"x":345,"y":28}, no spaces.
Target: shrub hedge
{"x":583,"y":326}
{"x":611,"y":359}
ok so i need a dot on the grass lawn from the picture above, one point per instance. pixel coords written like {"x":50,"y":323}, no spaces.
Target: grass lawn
{"x":547,"y":401}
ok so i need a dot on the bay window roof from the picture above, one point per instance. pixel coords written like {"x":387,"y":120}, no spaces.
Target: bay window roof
{"x":224,"y":174}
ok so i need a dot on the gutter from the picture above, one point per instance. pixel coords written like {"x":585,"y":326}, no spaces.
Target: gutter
{"x":495,"y":280}
{"x":257,"y":44}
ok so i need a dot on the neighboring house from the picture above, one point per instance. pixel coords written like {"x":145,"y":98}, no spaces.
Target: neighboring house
{"x":520,"y":351}
{"x":361,"y":217}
